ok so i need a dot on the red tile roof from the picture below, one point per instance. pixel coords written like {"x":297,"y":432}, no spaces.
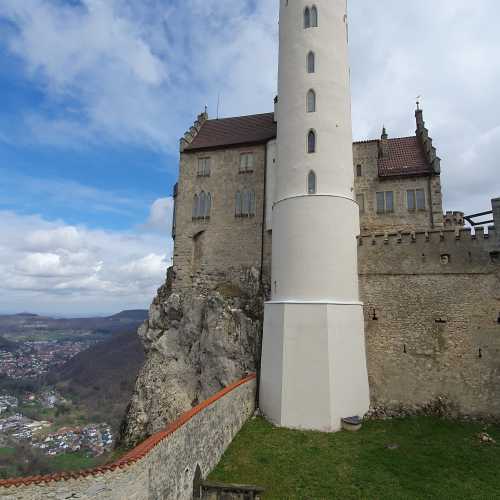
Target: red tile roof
{"x":253,"y":129}
{"x":404,"y":156}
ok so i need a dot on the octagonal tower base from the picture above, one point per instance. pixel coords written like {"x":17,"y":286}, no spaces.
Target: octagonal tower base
{"x":313,"y":370}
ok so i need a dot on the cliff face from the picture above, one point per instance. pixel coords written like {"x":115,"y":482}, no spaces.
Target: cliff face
{"x":195,"y":345}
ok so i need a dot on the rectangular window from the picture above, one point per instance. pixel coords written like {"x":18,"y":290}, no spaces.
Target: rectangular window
{"x":359,"y":171}
{"x":420,"y":199}
{"x":203,"y":167}
{"x":410,"y":199}
{"x":246,"y":162}
{"x":360,"y":198}
{"x":415,"y":199}
{"x":385,"y":202}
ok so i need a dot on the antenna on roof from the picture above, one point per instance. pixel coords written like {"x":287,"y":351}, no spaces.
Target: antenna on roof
{"x":218,"y":105}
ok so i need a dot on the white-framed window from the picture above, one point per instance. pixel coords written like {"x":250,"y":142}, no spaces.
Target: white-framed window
{"x":204,"y":167}
{"x":311,"y":182}
{"x":246,"y":162}
{"x":385,"y":202}
{"x":360,"y":199}
{"x":311,"y":101}
{"x":245,"y":203}
{"x":311,"y":62}
{"x":415,"y":199}
{"x":311,"y":141}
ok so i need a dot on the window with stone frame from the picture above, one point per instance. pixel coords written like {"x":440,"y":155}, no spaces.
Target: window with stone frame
{"x":202,"y":206}
{"x":314,"y":17}
{"x":311,"y":183}
{"x":245,"y":203}
{"x":415,"y":199}
{"x":359,"y":171}
{"x":246,"y":162}
{"x":307,"y":18}
{"x":360,"y":199}
{"x":385,"y":202}
{"x":204,"y":167}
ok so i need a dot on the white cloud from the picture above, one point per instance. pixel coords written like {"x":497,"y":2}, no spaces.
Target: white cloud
{"x":49,"y":266}
{"x":160,"y":215}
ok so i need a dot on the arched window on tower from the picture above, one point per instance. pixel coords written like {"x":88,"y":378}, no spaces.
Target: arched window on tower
{"x":311,"y":62}
{"x":314,"y":17}
{"x":307,"y":18}
{"x":311,"y":183}
{"x":311,"y":101}
{"x":311,"y":142}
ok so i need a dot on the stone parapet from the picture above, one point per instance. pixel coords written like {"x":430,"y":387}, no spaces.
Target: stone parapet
{"x":163,"y":466}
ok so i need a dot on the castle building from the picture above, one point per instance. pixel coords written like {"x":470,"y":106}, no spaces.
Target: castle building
{"x":429,"y":286}
{"x":226,"y":191}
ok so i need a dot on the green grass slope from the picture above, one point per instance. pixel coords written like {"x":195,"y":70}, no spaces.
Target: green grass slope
{"x":432,"y":459}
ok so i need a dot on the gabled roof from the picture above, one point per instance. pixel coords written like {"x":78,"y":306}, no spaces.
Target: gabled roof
{"x":241,"y":130}
{"x":403,"y":156}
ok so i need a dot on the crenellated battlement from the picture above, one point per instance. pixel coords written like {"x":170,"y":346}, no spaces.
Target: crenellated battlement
{"x":457,"y":251}
{"x":191,"y":134}
{"x":441,"y":236}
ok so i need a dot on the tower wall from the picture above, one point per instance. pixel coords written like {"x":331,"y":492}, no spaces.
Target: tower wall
{"x":313,"y":362}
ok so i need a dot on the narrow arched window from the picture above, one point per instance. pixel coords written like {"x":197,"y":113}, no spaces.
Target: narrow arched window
{"x":238,"y":207}
{"x":311,"y":142}
{"x":311,"y":101}
{"x":307,"y":18}
{"x":314,"y":17}
{"x":195,"y":206}
{"x":311,"y":62}
{"x":311,"y":183}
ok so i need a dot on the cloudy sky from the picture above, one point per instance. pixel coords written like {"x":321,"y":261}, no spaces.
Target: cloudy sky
{"x":95,"y":94}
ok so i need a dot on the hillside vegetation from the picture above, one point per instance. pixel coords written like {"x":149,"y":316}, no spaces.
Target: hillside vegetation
{"x":100,"y":380}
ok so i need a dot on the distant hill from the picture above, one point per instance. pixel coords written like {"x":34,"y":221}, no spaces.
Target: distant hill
{"x":7,"y":345}
{"x":31,"y":326}
{"x":101,"y":379}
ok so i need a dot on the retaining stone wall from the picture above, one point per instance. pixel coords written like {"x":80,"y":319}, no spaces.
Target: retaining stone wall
{"x":432,"y":308}
{"x":163,"y":467}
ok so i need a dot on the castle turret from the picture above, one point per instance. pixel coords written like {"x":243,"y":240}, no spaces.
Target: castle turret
{"x":313,"y":362}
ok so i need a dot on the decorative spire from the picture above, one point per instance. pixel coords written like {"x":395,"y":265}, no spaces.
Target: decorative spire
{"x":384,"y":135}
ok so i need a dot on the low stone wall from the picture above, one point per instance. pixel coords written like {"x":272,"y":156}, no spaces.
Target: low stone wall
{"x":163,"y":466}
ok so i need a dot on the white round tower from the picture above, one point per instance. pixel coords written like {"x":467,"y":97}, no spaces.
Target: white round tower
{"x":313,"y":362}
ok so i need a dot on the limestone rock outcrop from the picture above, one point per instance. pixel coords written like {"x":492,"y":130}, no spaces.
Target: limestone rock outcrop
{"x":196,"y":344}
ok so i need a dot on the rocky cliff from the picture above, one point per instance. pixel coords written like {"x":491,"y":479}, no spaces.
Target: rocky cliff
{"x":196,"y":344}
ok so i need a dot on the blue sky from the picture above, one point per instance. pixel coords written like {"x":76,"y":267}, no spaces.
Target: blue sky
{"x":96,"y":93}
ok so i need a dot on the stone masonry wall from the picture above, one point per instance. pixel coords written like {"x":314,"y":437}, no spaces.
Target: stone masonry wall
{"x":164,"y":466}
{"x":220,"y":249}
{"x":366,"y":155}
{"x":432,"y":312}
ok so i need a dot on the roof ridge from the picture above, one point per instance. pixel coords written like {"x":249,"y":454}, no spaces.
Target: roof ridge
{"x":238,"y":117}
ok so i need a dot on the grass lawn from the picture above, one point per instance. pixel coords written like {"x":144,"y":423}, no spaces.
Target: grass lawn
{"x":6,"y":452}
{"x":434,"y":459}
